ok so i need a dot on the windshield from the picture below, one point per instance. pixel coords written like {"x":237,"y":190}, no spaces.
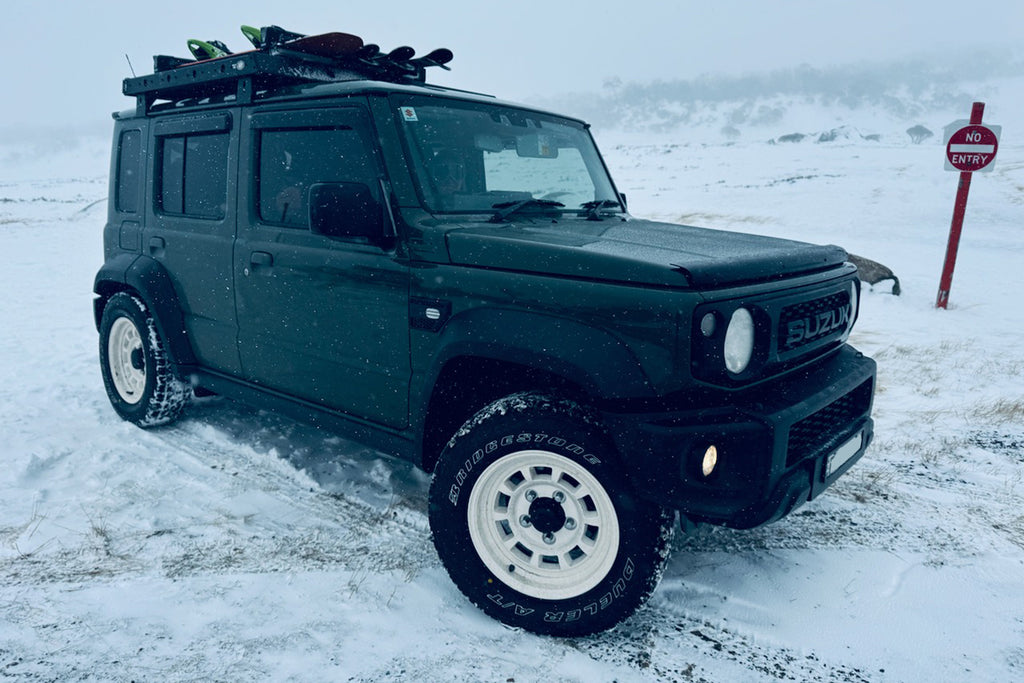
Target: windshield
{"x":481,"y":158}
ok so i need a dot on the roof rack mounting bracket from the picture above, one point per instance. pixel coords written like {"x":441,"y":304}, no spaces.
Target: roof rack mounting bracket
{"x":243,"y":94}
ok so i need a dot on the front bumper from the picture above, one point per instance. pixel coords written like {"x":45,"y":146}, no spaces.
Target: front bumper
{"x":775,"y":443}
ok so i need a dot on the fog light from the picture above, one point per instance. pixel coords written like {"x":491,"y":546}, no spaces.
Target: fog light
{"x":710,"y":461}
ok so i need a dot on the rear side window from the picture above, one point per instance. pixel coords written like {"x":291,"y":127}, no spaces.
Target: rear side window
{"x":193,"y":175}
{"x":129,"y":176}
{"x":292,"y":160}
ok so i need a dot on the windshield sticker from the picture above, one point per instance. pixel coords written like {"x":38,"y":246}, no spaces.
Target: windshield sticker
{"x":409,"y":114}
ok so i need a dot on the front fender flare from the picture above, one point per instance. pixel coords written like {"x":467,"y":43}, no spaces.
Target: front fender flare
{"x":592,"y":358}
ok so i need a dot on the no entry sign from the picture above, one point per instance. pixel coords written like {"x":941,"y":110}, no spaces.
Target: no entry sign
{"x":972,"y":148}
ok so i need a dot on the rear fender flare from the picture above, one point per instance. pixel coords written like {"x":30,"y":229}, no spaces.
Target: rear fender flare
{"x":151,"y":282}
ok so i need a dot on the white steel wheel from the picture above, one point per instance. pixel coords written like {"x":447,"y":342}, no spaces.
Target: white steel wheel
{"x":544,"y":524}
{"x":535,"y":520}
{"x":127,"y":360}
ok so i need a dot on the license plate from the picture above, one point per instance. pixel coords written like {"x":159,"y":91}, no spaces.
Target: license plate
{"x":843,"y":454}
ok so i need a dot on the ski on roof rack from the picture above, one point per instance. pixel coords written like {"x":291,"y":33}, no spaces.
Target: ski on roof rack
{"x":278,"y":57}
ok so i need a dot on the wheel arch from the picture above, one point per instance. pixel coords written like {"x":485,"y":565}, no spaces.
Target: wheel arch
{"x":149,"y":280}
{"x":466,"y":384}
{"x":484,"y":355}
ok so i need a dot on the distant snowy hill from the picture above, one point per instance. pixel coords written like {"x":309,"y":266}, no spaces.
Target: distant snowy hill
{"x":873,"y":101}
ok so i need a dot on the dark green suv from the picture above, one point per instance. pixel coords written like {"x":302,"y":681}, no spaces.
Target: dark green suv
{"x":455,"y":280}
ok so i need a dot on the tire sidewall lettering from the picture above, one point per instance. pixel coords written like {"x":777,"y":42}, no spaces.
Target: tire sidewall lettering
{"x":571,"y":449}
{"x":605,"y":601}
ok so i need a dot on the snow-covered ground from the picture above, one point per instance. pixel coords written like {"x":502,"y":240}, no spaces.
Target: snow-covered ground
{"x":238,"y":545}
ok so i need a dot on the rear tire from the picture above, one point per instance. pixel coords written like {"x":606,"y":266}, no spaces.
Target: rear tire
{"x":535,"y":523}
{"x":138,"y":377}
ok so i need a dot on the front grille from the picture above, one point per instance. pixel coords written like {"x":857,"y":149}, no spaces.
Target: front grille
{"x":819,"y":430}
{"x":809,"y":321}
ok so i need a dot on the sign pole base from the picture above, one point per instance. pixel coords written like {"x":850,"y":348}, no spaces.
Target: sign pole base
{"x":953,"y":244}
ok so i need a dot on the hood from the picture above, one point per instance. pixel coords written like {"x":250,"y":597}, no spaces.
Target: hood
{"x":638,"y":251}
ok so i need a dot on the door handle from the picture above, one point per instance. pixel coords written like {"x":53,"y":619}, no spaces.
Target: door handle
{"x":261,"y":259}
{"x":157,"y":246}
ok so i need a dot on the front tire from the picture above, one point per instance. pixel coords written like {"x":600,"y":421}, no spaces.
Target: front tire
{"x":532,"y":517}
{"x":137,"y":374}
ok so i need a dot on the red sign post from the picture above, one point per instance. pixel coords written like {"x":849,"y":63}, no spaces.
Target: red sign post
{"x":969,"y":149}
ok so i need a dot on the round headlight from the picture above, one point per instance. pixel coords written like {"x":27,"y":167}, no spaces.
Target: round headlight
{"x":739,"y":341}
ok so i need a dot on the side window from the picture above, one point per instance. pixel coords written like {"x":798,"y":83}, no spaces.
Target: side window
{"x":193,"y":175}
{"x":129,"y":178}
{"x":172,"y":175}
{"x":291,"y":160}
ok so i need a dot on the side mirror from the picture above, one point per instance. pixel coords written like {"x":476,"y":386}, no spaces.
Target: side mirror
{"x":345,"y":210}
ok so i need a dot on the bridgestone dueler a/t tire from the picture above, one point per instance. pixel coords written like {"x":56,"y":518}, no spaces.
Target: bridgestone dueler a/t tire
{"x":136,"y":372}
{"x":534,"y":521}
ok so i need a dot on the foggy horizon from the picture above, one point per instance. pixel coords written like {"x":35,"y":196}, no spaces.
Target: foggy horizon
{"x":533,"y":51}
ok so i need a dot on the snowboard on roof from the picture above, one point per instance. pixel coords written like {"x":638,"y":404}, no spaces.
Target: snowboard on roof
{"x":331,"y":45}
{"x":334,"y":45}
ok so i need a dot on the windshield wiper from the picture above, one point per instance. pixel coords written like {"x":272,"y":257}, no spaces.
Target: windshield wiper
{"x":509,"y":208}
{"x":592,"y":210}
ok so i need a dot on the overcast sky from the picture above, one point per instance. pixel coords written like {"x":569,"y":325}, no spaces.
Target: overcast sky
{"x":66,"y":60}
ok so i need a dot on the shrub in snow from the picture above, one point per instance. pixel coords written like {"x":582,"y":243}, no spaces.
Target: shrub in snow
{"x":918,"y":133}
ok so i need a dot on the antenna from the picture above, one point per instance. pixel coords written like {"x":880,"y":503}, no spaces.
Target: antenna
{"x":130,"y":64}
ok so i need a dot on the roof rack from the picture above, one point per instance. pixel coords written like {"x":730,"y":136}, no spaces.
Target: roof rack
{"x":281,"y":58}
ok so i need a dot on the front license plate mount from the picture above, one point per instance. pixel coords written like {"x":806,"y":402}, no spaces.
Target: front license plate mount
{"x":842,"y":455}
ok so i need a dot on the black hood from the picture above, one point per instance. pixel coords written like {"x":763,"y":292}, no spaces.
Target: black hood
{"x":639,"y":251}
